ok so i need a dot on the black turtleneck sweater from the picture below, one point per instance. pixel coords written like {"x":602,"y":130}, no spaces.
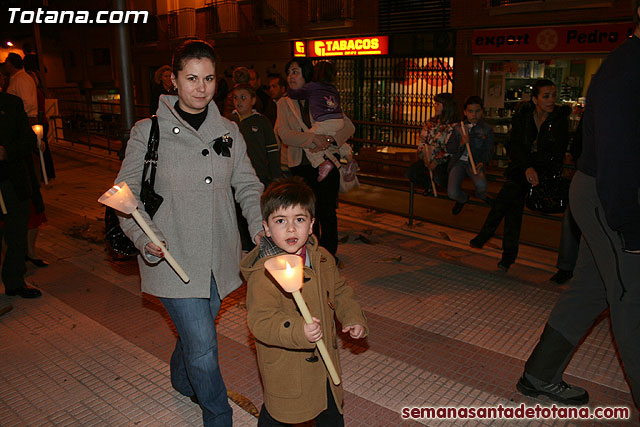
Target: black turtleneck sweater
{"x":195,"y":120}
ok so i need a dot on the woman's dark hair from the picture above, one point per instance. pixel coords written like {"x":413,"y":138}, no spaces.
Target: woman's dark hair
{"x":192,"y":49}
{"x":539,"y":85}
{"x":449,"y":107}
{"x":285,"y":193}
{"x":305,"y":64}
{"x":473,"y":99}
{"x":324,"y":72}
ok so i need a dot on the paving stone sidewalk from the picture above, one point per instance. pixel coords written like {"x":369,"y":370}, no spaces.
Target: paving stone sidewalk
{"x":447,"y":330}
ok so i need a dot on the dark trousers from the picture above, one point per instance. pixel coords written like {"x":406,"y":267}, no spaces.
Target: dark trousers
{"x":326,"y":191}
{"x":330,"y":417}
{"x":15,"y":235}
{"x":509,"y":205}
{"x":418,"y":173}
{"x":605,"y":277}
{"x":569,"y":242}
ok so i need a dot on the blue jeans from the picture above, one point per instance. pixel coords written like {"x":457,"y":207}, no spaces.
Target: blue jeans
{"x":194,"y":364}
{"x":457,"y":173}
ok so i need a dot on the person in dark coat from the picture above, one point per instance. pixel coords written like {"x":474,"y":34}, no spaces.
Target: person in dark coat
{"x":16,"y":145}
{"x":605,"y":202}
{"x":538,"y":142}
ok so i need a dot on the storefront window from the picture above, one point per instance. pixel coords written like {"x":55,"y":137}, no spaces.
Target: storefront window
{"x":391,"y":98}
{"x":508,"y":83}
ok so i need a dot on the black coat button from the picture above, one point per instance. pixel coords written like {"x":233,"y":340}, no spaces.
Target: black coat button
{"x":287,"y":324}
{"x":208,"y":180}
{"x":176,"y":130}
{"x":205,"y":152}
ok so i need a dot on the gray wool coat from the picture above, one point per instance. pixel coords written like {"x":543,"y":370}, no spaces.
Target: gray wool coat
{"x":197,"y":218}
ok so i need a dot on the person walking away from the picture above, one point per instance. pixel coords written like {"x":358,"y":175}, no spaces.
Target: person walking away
{"x":604,"y":200}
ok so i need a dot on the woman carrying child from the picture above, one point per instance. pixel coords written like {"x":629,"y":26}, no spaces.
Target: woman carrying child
{"x":292,"y":127}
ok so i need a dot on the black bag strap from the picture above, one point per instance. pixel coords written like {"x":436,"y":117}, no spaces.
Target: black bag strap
{"x":151,"y":158}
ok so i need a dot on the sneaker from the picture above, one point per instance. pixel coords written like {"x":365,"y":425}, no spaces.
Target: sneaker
{"x":457,"y":208}
{"x":562,"y":276}
{"x":324,"y":169}
{"x":559,"y":392}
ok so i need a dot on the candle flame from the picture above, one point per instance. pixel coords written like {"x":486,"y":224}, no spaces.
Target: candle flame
{"x":116,"y":187}
{"x":289,"y":269}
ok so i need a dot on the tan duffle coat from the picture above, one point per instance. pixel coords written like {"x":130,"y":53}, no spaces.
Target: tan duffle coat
{"x":293,"y":374}
{"x":197,"y":218}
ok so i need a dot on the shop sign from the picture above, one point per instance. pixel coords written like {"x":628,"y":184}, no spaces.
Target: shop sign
{"x":595,"y":38}
{"x":378,"y":45}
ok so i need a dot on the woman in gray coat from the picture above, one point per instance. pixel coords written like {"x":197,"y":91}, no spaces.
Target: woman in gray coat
{"x":201,"y":157}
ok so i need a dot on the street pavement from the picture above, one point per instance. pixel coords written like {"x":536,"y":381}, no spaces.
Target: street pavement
{"x":447,"y":329}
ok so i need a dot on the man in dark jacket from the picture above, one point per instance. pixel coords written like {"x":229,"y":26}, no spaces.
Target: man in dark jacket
{"x":604,"y":200}
{"x":17,"y":141}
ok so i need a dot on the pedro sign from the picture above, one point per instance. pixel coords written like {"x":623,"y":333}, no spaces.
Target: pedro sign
{"x":378,"y":45}
{"x":565,"y":39}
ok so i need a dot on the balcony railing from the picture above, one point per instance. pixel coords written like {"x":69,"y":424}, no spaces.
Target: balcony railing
{"x":330,"y":10}
{"x":270,"y":14}
{"x":182,"y":23}
{"x":497,"y":3}
{"x":222,"y":17}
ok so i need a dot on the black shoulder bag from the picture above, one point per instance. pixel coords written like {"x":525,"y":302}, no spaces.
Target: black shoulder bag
{"x":114,"y":236}
{"x":551,"y":195}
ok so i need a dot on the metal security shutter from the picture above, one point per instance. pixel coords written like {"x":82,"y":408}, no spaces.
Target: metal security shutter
{"x":404,"y":16}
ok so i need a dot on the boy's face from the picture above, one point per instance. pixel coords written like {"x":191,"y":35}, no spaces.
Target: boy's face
{"x":243,"y":101}
{"x":473,"y":113}
{"x":289,"y":228}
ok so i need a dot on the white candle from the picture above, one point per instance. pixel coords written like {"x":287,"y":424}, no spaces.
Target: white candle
{"x":120,"y":198}
{"x":37,"y":129}
{"x":287,"y":270}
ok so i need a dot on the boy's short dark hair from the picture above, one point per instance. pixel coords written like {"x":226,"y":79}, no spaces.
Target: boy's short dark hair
{"x":285,"y":193}
{"x":281,"y":81}
{"x":324,"y":72}
{"x":473,"y":99}
{"x":245,"y":86}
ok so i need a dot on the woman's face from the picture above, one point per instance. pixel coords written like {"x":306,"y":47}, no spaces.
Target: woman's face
{"x":196,"y":84}
{"x":294,"y":76}
{"x":439,"y":108}
{"x":546,"y":99}
{"x":166,"y":79}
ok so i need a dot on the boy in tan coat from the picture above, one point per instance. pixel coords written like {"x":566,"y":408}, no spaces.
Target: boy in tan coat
{"x":297,"y":387}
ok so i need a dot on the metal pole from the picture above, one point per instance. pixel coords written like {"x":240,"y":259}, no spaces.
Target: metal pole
{"x":126,"y":88}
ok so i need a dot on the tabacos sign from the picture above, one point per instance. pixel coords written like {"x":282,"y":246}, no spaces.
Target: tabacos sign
{"x":377,"y":45}
{"x":566,"y":39}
